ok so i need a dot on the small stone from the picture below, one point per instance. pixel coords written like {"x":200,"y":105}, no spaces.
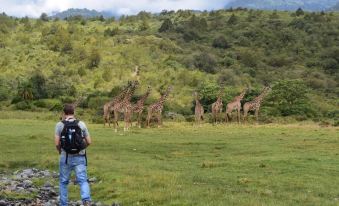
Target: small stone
{"x":3,"y":203}
{"x":28,"y":172}
{"x":268,"y":192}
{"x":46,"y":173}
{"x":93,"y":179}
{"x":20,"y":189}
{"x":27,"y":183}
{"x":32,"y":189}
{"x":48,"y":184}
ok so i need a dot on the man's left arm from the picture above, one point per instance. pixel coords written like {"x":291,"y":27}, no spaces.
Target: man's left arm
{"x":57,"y":143}
{"x":57,"y":137}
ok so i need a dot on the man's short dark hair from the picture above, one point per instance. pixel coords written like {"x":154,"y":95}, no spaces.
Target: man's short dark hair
{"x":68,"y":109}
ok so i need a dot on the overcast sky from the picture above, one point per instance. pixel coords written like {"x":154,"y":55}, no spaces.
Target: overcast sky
{"x":33,"y":8}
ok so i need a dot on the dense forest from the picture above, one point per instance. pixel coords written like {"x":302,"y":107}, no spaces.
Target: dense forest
{"x":46,"y":62}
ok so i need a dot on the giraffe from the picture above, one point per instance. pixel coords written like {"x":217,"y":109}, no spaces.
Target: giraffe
{"x":138,"y":107}
{"x":255,"y":104}
{"x":119,"y":107}
{"x":199,"y":109}
{"x":235,"y":104}
{"x":157,"y":107}
{"x":108,"y":107}
{"x":217,"y":108}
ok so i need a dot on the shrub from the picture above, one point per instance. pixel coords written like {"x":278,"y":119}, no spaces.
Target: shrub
{"x":111,"y":32}
{"x":205,"y":62}
{"x":221,"y":42}
{"x":97,"y":102}
{"x":289,"y":97}
{"x":24,"y":105}
{"x":94,"y":59}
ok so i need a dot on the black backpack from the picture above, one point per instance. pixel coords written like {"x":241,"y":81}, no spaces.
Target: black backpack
{"x":72,"y":139}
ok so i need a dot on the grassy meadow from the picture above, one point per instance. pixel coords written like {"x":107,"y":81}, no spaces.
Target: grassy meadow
{"x":180,"y":164}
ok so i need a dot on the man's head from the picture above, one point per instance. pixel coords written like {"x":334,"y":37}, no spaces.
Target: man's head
{"x":69,"y":109}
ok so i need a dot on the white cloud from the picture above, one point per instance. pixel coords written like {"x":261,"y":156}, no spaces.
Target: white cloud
{"x":34,"y":8}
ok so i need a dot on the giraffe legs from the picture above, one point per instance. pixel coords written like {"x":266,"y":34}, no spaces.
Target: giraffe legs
{"x":227,"y":117}
{"x":149,"y":115}
{"x":116,"y":118}
{"x":127,"y":120}
{"x":257,"y":115}
{"x":245,"y":114}
{"x":139,"y":119}
{"x":238,"y":109}
{"x":159,"y":119}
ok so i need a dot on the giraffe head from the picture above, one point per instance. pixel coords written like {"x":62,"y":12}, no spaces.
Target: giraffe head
{"x":149,"y":89}
{"x":243,"y":93}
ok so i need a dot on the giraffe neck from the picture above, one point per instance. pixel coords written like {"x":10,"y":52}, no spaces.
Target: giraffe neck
{"x":143,"y":98}
{"x":129,"y":94}
{"x":259,"y":98}
{"x":163,"y":98}
{"x":121,"y":95}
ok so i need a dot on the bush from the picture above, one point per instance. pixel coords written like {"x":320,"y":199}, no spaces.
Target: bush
{"x":221,"y":42}
{"x":111,"y":32}
{"x":166,"y":26}
{"x":97,"y":102}
{"x":48,"y":103}
{"x":24,"y":105}
{"x":94,"y":59}
{"x":205,"y":62}
{"x":289,"y":97}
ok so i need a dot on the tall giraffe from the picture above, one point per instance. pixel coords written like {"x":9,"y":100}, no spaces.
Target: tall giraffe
{"x":217,"y":108}
{"x":235,"y":104}
{"x":119,"y":107}
{"x":255,"y":104}
{"x":137,"y":108}
{"x":157,"y":107}
{"x":108,"y":107}
{"x":199,"y":109}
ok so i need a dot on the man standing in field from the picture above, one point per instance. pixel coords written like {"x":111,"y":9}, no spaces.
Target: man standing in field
{"x":71,"y":140}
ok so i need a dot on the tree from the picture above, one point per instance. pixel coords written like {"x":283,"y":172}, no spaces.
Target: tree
{"x":299,"y":12}
{"x":205,"y":62}
{"x":220,"y":42}
{"x":289,"y":97}
{"x":44,"y":17}
{"x":232,"y":20}
{"x":111,"y":32}
{"x":38,"y":82}
{"x":167,"y":25}
{"x":144,"y":25}
{"x":25,"y":91}
{"x":94,"y":59}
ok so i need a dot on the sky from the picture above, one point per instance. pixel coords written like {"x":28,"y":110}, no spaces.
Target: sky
{"x":34,"y":8}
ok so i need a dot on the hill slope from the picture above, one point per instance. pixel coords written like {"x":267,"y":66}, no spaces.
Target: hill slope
{"x":310,"y":5}
{"x":86,"y":13}
{"x":192,"y":51}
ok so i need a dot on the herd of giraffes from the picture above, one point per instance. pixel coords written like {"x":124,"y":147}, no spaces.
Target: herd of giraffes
{"x":235,"y":104}
{"x":121,"y":104}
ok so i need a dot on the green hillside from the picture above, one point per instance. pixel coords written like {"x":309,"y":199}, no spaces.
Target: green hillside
{"x":45,"y":62}
{"x":310,"y":5}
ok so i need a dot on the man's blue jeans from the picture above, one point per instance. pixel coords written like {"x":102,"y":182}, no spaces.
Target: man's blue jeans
{"x":78,"y":164}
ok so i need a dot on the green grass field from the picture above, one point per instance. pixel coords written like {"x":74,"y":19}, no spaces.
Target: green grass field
{"x":184,"y":165}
